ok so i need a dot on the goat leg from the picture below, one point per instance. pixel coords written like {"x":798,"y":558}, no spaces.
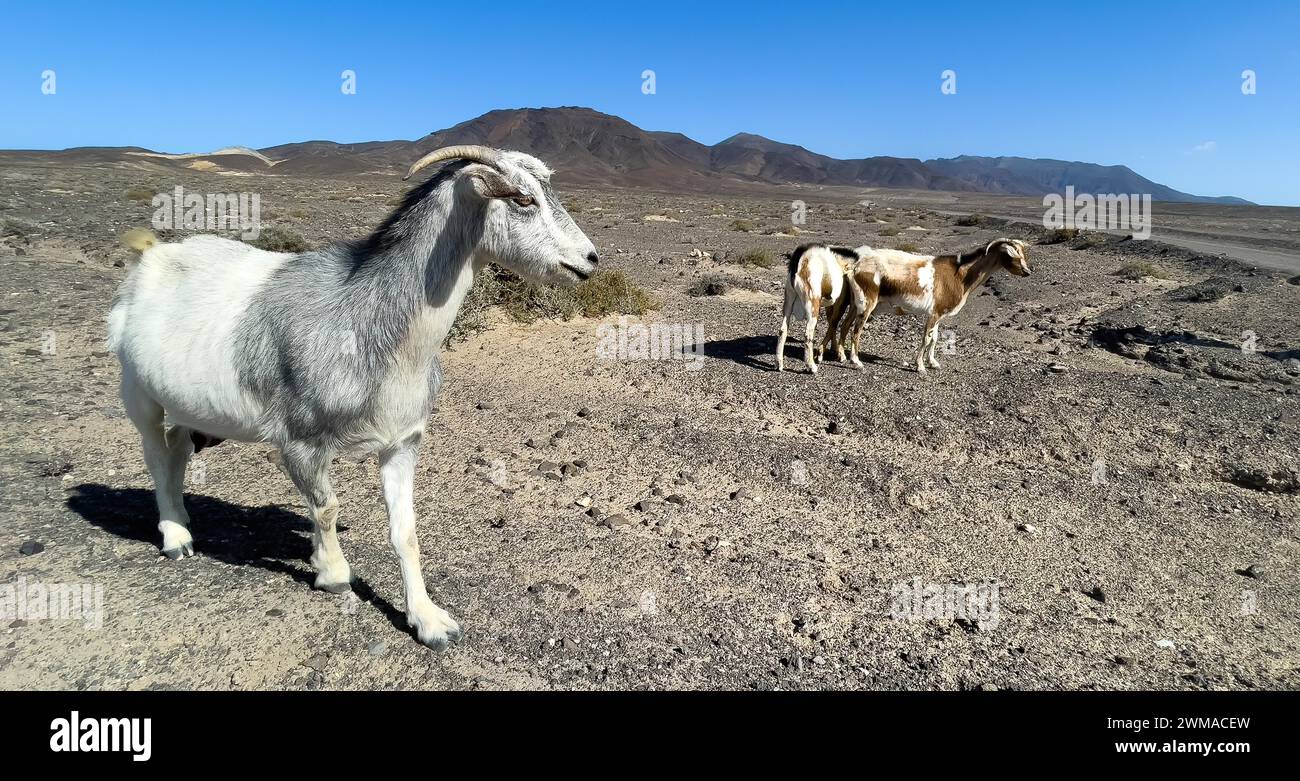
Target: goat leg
{"x":433,"y":626}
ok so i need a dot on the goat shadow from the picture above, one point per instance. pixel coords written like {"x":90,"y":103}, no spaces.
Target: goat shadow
{"x":744,"y":349}
{"x":264,"y":537}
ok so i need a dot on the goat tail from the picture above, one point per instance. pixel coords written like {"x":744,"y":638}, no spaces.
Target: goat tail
{"x":139,"y":240}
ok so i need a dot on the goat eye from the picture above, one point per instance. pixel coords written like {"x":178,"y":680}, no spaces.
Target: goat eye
{"x":525,"y":200}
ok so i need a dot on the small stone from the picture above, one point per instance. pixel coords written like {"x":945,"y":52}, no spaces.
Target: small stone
{"x":317,"y":663}
{"x":645,"y":505}
{"x":376,"y":647}
{"x":1166,"y":644}
{"x":31,"y":548}
{"x":583,"y":501}
{"x":275,"y":612}
{"x":1027,"y":527}
{"x":1252,"y":571}
{"x":585,"y":412}
{"x":1056,"y":368}
{"x":486,"y":405}
{"x":740,"y":493}
{"x":676,"y":499}
{"x":616,"y":522}
{"x":1096,"y":593}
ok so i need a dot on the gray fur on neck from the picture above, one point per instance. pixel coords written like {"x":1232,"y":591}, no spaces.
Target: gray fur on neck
{"x":318,"y":338}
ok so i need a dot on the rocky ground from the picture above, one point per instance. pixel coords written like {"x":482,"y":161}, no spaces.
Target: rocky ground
{"x":1114,"y":453}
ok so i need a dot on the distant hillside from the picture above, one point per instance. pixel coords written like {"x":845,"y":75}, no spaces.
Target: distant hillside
{"x":1023,"y":176}
{"x":588,"y":147}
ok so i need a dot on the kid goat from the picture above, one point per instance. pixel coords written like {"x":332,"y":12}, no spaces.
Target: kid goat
{"x":935,"y":287}
{"x":814,"y":272}
{"x":333,"y":350}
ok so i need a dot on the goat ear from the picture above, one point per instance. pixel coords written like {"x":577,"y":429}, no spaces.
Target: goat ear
{"x":1011,"y":247}
{"x":489,"y":183}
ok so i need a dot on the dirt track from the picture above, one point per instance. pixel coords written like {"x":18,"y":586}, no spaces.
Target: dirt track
{"x":1101,"y":449}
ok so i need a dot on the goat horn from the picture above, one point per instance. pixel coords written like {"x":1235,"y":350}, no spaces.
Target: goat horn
{"x":479,"y":154}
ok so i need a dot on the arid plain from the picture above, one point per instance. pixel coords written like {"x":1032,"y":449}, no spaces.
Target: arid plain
{"x":1111,"y":443}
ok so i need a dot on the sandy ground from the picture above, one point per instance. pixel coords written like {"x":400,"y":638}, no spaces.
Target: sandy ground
{"x":1100,"y":453}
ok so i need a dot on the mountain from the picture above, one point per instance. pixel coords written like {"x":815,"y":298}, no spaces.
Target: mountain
{"x":588,"y":147}
{"x":1023,"y":176}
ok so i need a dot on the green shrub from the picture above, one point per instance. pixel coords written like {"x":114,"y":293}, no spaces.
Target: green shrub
{"x":1091,"y":240}
{"x":141,"y":193}
{"x":763,"y":258}
{"x":275,"y":239}
{"x":971,"y":220}
{"x":606,"y":292}
{"x":744,"y":226}
{"x":612,"y":292}
{"x":889,"y":230}
{"x":1059,"y":235}
{"x":719,"y":285}
{"x":907,"y":246}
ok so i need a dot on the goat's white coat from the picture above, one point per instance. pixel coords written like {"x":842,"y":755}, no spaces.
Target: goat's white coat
{"x":187,"y":363}
{"x":820,"y":274}
{"x":176,"y":330}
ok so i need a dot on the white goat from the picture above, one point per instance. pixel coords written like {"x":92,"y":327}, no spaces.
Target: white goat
{"x":329,"y":350}
{"x":935,"y":287}
{"x":815,"y":272}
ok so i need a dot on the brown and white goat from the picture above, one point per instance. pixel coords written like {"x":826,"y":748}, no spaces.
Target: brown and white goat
{"x":816,"y":272}
{"x":936,"y":287}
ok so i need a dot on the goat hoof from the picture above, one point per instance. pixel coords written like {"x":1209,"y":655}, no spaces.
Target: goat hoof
{"x":434,"y":628}
{"x":440,"y":641}
{"x":335,"y":588}
{"x":178,"y":553}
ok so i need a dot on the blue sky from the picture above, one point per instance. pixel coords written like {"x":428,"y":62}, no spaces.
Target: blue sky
{"x":1155,"y":86}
